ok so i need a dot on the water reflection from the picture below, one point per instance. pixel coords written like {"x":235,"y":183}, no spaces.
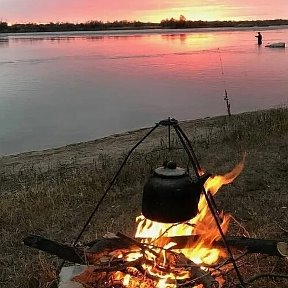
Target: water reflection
{"x":92,"y":85}
{"x":4,"y":42}
{"x":70,"y":38}
{"x":33,"y":40}
{"x":175,"y":37}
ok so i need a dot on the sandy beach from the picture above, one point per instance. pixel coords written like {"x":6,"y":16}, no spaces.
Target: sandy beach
{"x":87,"y":152}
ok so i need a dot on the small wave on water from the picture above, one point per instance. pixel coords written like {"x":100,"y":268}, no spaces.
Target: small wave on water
{"x":117,"y":57}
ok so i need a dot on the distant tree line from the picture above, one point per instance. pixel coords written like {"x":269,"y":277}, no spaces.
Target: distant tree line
{"x":65,"y":26}
{"x":183,"y":23}
{"x":99,"y":25}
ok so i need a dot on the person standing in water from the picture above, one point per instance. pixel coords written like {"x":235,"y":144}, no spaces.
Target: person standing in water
{"x":259,"y":37}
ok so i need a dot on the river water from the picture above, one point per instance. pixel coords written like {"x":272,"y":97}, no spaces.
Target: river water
{"x":61,"y":88}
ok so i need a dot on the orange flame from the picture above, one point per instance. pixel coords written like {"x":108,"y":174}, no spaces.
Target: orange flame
{"x":202,"y":231}
{"x":200,"y":250}
{"x":213,"y":184}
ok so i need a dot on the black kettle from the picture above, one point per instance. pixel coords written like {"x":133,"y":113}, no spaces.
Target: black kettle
{"x":170,"y":195}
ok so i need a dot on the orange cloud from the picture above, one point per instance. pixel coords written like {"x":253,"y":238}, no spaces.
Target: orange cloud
{"x":148,"y":10}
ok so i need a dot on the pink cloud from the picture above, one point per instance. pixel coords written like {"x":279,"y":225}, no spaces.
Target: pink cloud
{"x":109,"y":10}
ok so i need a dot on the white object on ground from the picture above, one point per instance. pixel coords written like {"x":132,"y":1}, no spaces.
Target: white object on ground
{"x":66,"y":275}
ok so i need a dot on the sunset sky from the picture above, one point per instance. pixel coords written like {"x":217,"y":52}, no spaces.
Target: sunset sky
{"x":43,"y":11}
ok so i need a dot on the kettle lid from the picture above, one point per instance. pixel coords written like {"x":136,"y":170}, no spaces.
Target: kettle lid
{"x":170,"y":169}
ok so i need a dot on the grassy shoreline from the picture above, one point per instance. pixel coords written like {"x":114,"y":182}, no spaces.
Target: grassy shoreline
{"x":52,"y":192}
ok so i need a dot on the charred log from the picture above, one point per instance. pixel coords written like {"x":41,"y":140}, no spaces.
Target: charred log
{"x":63,"y":251}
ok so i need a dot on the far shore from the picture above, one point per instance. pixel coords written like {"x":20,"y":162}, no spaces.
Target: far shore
{"x":171,"y":25}
{"x":157,"y":30}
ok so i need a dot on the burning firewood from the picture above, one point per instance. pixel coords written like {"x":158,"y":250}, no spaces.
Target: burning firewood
{"x":105,"y":262}
{"x":131,"y":278}
{"x":81,"y":255}
{"x":108,"y":256}
{"x":180,"y":260}
{"x":133,"y":274}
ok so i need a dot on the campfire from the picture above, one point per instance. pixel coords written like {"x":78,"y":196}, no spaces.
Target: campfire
{"x":154,"y":260}
{"x":180,"y":237}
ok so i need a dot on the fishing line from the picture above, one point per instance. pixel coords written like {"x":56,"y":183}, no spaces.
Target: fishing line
{"x":226,"y":99}
{"x":221,"y":62}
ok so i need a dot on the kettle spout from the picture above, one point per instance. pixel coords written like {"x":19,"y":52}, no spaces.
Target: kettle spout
{"x":203,"y":178}
{"x":199,"y":183}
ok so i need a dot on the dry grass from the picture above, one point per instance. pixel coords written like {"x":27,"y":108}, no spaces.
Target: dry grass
{"x":56,"y":203}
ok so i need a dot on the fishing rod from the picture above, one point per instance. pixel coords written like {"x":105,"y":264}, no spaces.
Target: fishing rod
{"x":226,"y":99}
